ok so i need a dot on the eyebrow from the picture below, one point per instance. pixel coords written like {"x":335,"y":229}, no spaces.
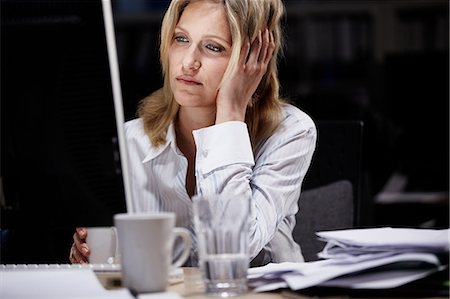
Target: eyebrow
{"x":206,"y":36}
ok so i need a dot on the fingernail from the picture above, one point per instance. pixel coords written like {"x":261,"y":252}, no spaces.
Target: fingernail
{"x":80,"y":232}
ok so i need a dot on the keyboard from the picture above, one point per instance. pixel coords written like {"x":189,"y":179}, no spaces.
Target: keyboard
{"x":94,"y":267}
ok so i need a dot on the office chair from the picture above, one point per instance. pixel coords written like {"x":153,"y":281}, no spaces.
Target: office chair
{"x":338,"y":156}
{"x":331,"y":196}
{"x":327,"y":207}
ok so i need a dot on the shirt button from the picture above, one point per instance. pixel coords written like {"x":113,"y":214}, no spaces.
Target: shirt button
{"x":205,"y":153}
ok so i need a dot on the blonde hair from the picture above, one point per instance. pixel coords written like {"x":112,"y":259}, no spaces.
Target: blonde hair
{"x":245,"y":18}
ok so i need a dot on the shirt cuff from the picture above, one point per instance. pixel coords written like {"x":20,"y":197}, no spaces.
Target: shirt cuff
{"x":221,"y":145}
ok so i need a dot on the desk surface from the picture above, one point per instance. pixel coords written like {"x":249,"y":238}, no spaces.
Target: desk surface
{"x":190,"y":287}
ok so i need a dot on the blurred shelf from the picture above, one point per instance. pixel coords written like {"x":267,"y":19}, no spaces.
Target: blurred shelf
{"x":344,"y":29}
{"x":432,"y":198}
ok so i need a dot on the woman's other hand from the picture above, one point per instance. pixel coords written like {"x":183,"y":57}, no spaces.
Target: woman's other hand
{"x":79,"y":252}
{"x":236,"y":92}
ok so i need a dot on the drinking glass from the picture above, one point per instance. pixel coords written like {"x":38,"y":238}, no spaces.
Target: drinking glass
{"x":221,"y":224}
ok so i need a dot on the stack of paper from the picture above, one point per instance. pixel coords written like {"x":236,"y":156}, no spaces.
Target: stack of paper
{"x":361,"y":258}
{"x":344,"y":243}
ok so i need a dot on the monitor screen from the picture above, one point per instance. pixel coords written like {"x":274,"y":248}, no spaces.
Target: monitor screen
{"x":60,"y":157}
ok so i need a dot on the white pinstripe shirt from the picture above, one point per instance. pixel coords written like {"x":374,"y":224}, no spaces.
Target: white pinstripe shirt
{"x":225,"y":161}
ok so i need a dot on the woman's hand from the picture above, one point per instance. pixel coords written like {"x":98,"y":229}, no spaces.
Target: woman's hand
{"x":235,"y":93}
{"x":79,"y":251}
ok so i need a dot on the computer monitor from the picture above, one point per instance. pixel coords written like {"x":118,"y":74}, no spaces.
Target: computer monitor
{"x":61,"y":126}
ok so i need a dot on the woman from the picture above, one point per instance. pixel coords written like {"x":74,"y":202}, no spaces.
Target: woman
{"x":218,"y":123}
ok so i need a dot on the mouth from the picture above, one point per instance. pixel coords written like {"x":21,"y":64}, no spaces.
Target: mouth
{"x":187,"y":80}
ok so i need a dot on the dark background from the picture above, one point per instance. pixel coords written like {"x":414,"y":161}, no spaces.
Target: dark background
{"x":385,"y":63}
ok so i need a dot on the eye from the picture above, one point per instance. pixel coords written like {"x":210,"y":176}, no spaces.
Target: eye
{"x":214,"y":48}
{"x":181,"y":38}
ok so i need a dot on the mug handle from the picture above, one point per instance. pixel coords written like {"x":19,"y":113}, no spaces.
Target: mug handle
{"x":185,"y":235}
{"x":115,"y":258}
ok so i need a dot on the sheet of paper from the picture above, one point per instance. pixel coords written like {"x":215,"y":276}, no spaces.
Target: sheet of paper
{"x":160,"y":295}
{"x":433,"y":239}
{"x":269,"y":277}
{"x":55,"y":284}
{"x":380,"y":279}
{"x":270,"y":286}
{"x":318,"y":276}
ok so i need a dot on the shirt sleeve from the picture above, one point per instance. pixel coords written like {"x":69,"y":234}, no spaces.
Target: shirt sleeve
{"x":221,"y":145}
{"x":272,"y":178}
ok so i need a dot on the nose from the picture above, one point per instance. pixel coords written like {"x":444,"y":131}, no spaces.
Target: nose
{"x":191,"y":61}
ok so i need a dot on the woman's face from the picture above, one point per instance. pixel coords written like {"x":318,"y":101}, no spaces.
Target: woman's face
{"x":199,"y":54}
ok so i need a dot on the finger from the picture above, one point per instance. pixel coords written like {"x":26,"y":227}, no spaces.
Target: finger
{"x":244,"y":52}
{"x":264,"y":46}
{"x":76,"y":257}
{"x":255,"y":50}
{"x":82,"y":232}
{"x":271,"y":49}
{"x":71,"y":254}
{"x":81,"y":245}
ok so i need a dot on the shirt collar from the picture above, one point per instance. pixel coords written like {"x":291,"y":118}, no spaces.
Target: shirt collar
{"x":154,"y":152}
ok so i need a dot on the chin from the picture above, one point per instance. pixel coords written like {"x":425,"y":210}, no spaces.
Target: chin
{"x":188,"y":99}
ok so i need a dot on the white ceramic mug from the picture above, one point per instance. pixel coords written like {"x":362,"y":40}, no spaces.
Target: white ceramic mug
{"x":146,"y":243}
{"x":103,"y":244}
